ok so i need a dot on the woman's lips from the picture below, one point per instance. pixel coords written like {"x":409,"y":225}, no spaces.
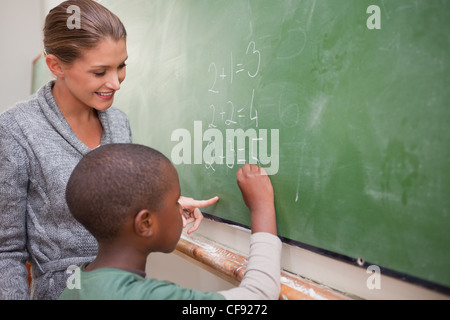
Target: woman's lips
{"x":105,"y":95}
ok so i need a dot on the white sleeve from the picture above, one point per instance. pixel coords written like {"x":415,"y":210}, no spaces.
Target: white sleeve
{"x":262,"y":277}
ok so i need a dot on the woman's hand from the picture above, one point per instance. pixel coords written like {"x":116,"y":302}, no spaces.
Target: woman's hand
{"x":191,"y":211}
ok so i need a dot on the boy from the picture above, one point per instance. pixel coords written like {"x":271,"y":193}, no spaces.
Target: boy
{"x":127,"y":195}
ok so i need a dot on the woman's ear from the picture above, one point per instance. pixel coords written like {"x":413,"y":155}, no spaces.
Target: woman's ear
{"x":143,"y":223}
{"x":55,"y":65}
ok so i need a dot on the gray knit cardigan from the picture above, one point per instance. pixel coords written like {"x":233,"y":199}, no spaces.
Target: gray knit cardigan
{"x":38,"y":151}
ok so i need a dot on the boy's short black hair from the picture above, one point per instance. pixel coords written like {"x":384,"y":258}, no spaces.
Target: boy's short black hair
{"x":115,"y":181}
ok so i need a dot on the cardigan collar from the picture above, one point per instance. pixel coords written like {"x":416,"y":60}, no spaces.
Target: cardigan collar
{"x":55,"y":117}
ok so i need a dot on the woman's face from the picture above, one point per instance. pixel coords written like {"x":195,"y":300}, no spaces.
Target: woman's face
{"x":94,"y":78}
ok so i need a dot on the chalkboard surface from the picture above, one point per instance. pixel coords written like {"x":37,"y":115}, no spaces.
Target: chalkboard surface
{"x":345,"y":102}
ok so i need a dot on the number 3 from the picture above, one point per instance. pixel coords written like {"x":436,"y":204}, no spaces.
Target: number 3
{"x":254,"y":51}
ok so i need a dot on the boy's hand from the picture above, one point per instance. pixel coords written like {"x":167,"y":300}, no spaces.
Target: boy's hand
{"x":258,"y":195}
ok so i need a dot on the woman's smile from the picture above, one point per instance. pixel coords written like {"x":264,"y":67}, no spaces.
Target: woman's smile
{"x":105,"y":96}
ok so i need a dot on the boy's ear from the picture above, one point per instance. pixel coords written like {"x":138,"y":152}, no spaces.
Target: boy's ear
{"x":55,"y":65}
{"x":143,"y":223}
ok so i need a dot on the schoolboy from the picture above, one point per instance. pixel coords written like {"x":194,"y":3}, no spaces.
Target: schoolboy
{"x":127,"y":195}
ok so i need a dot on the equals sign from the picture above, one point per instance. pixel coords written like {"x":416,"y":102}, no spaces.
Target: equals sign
{"x":240,"y":70}
{"x":241,"y":115}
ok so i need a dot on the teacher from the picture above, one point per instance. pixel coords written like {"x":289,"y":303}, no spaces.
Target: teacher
{"x":44,"y":138}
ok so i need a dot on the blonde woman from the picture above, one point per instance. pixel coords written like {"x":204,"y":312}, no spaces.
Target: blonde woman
{"x":44,"y":138}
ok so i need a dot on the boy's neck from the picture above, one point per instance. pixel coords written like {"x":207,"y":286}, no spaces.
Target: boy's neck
{"x":120,"y":257}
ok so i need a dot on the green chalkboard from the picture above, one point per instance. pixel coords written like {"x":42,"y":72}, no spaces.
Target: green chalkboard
{"x":346,"y":102}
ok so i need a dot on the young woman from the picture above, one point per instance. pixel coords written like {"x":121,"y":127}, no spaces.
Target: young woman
{"x":44,"y":138}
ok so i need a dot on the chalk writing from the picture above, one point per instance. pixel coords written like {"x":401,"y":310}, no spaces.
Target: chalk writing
{"x":234,"y":113}
{"x":231,"y":112}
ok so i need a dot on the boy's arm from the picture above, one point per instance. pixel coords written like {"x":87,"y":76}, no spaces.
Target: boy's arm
{"x":262,"y":277}
{"x":258,"y":195}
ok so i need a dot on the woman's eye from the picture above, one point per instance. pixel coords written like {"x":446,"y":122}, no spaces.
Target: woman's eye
{"x":100,"y":74}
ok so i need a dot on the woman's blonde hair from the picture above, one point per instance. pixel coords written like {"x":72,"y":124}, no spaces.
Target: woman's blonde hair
{"x":96,"y":23}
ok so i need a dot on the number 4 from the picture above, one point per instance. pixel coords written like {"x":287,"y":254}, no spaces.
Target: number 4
{"x":251,"y":110}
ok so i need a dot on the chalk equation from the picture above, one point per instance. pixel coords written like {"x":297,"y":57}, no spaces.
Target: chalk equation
{"x":234,"y":113}
{"x":235,"y":69}
{"x":231,"y":145}
{"x":231,"y":113}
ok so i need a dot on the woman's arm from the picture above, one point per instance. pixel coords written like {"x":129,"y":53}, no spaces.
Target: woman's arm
{"x":191,"y":211}
{"x":13,"y":238}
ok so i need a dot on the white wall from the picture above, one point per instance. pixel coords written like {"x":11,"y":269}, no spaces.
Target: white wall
{"x":21,"y":24}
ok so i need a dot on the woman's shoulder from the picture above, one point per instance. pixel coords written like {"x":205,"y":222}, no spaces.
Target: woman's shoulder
{"x":20,"y":112}
{"x":29,"y":112}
